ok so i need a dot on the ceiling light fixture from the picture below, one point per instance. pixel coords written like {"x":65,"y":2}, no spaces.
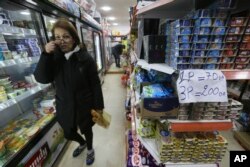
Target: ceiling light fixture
{"x":52,"y":21}
{"x":25,"y":13}
{"x":106,"y":8}
{"x":115,"y":24}
{"x":111,"y":18}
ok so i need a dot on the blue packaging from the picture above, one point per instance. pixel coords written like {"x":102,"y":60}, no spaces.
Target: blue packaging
{"x":210,"y":66}
{"x":213,"y":60}
{"x":184,"y":38}
{"x":200,"y":46}
{"x":217,"y":39}
{"x":219,"y":31}
{"x":183,"y":60}
{"x":216,"y":45}
{"x":183,"y":66}
{"x":203,"y":22}
{"x":213,"y":53}
{"x":186,"y":31}
{"x":219,"y":22}
{"x":199,"y":53}
{"x":202,"y":30}
{"x":200,"y":38}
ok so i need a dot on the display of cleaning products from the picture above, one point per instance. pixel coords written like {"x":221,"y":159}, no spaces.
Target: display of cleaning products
{"x":157,"y":90}
{"x":196,"y":147}
{"x":138,"y":155}
{"x":146,"y":128}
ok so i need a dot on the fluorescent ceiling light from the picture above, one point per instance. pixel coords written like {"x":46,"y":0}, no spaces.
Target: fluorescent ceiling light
{"x":115,"y":24}
{"x":25,"y":13}
{"x":31,"y":1}
{"x":52,"y":21}
{"x":106,"y":8}
{"x":111,"y":18}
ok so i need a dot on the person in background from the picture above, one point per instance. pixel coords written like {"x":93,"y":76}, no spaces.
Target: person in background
{"x":67,"y":64}
{"x":117,"y":51}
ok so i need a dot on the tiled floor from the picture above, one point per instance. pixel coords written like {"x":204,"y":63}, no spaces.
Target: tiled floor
{"x":110,"y":144}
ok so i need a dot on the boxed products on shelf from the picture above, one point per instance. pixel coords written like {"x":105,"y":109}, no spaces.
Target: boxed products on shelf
{"x":210,"y":110}
{"x":154,"y":48}
{"x":196,"y":147}
{"x":157,"y":101}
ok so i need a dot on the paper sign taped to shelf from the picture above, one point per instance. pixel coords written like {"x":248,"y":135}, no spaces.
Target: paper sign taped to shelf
{"x":201,"y":86}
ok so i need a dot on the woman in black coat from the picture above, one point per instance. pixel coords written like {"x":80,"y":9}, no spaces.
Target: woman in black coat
{"x":78,"y":90}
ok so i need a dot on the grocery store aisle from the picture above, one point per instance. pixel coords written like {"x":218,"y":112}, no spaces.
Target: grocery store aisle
{"x":109,"y":144}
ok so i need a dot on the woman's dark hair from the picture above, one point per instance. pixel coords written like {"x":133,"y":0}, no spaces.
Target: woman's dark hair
{"x":67,"y":25}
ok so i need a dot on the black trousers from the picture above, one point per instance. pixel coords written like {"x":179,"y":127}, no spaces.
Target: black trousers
{"x":75,"y":136}
{"x":117,"y":60}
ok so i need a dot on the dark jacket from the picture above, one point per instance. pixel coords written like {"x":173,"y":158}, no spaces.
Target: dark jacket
{"x":117,"y":49}
{"x":78,"y":88}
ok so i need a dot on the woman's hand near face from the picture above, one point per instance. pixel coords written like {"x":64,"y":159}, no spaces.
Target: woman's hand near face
{"x":50,"y":47}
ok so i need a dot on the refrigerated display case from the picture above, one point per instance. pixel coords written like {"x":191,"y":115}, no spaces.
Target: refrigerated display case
{"x":87,"y":39}
{"x":24,"y":122}
{"x":27,"y":120}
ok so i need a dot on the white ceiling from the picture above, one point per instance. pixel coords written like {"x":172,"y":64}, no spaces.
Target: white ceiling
{"x":120,"y":10}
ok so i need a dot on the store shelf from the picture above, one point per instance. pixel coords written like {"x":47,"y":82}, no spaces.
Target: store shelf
{"x":200,"y":125}
{"x":21,"y":97}
{"x":12,"y":30}
{"x":236,"y":93}
{"x":237,"y":74}
{"x":166,"y":9}
{"x":150,"y":145}
{"x":11,"y":62}
{"x":158,"y":67}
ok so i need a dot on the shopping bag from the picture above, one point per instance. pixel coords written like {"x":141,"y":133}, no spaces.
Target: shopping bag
{"x":102,"y":120}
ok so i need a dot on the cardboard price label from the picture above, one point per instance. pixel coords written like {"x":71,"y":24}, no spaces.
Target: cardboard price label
{"x":201,"y":86}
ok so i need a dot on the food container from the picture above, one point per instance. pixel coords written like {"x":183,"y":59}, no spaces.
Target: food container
{"x":12,"y":95}
{"x":47,"y":103}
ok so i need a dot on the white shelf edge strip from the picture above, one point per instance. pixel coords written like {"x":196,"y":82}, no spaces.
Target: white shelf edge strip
{"x":158,"y":67}
{"x":26,"y":94}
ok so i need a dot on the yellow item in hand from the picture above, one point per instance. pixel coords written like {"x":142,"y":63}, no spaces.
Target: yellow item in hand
{"x":102,"y":119}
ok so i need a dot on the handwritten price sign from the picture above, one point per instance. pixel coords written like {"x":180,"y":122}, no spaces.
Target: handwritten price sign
{"x":201,"y":86}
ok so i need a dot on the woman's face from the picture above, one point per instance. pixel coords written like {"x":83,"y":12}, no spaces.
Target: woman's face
{"x":64,"y":40}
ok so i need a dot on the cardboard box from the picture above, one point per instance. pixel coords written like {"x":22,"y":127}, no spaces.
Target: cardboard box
{"x":167,"y":107}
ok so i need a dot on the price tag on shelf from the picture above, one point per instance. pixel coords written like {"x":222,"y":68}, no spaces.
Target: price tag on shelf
{"x":201,"y":86}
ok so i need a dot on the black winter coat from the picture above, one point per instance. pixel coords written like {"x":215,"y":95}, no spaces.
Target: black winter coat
{"x":78,"y":88}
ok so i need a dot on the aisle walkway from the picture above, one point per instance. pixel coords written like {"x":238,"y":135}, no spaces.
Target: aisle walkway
{"x":109,"y":144}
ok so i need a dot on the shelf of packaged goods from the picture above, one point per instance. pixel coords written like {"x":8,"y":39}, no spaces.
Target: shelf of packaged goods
{"x":236,"y":93}
{"x":158,"y":67}
{"x":166,"y":9}
{"x":237,"y":74}
{"x":200,"y":125}
{"x":11,"y":62}
{"x":150,"y":145}
{"x":16,"y":31}
{"x":23,"y":96}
